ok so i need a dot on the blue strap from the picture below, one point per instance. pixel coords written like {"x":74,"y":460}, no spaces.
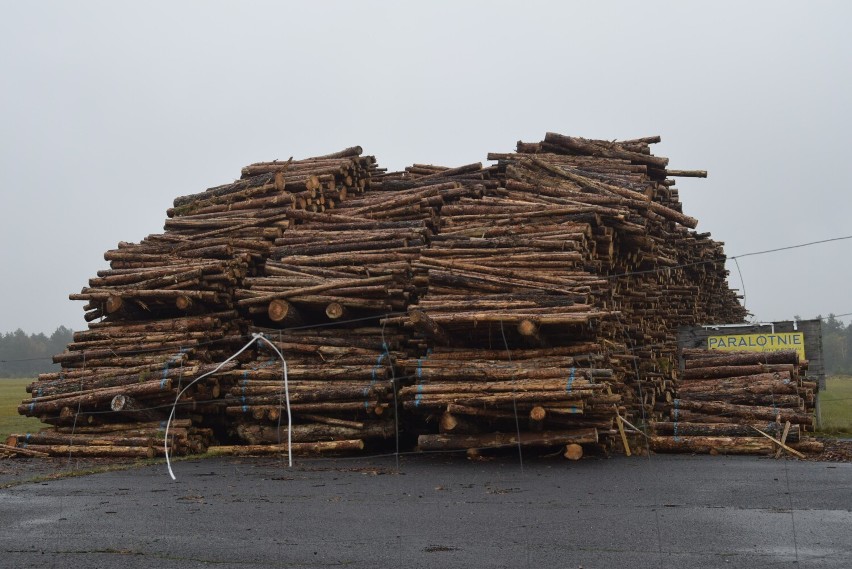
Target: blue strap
{"x":571,"y":379}
{"x":676,"y":412}
{"x":374,"y":377}
{"x":166,"y":369}
{"x":165,"y":375}
{"x":419,"y":397}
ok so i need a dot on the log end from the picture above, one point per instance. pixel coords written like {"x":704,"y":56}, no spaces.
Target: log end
{"x":118,"y":403}
{"x":573,"y":451}
{"x":113,"y":304}
{"x":278,"y":310}
{"x":335,"y":310}
{"x":448,"y":423}
{"x":538,"y":413}
{"x":527,"y":328}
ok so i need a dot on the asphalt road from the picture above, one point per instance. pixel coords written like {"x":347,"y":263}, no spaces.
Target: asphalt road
{"x":438,"y":511}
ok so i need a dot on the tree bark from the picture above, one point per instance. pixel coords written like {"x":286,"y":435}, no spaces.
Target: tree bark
{"x":503,"y":440}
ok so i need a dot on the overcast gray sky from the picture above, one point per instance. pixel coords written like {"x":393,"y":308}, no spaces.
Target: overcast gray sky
{"x":110,"y":109}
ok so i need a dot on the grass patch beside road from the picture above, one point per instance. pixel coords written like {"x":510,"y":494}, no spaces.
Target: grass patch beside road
{"x":12,"y":392}
{"x":836,"y":404}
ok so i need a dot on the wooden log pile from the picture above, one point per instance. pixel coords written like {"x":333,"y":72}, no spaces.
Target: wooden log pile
{"x":116,"y":371}
{"x":354,"y":264}
{"x":738,"y":402}
{"x":582,"y":245}
{"x":481,"y":399}
{"x":266,"y":190}
{"x":164,"y":284}
{"x":531,"y":302}
{"x":664,"y":272}
{"x":421,"y":175}
{"x":135,"y":440}
{"x":118,"y":377}
{"x":502,"y":295}
{"x":163,"y":314}
{"x":660,"y":273}
{"x":341,"y":388}
{"x":216,"y":238}
{"x":337,"y":265}
{"x":357,"y":260}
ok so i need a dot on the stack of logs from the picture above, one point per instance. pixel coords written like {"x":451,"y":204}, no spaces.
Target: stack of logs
{"x":135,"y":440}
{"x":168,"y":311}
{"x":347,"y":268}
{"x":341,"y":391}
{"x":737,"y":403}
{"x":661,"y":274}
{"x":530,"y":302}
{"x":582,"y":247}
{"x":123,"y":373}
{"x":509,"y":326}
{"x":215,"y":239}
{"x":504,"y":398}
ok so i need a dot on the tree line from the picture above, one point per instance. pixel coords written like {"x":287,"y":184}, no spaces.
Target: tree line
{"x":837,"y":346}
{"x":27,"y":355}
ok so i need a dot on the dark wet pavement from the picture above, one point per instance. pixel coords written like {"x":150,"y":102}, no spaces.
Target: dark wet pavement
{"x":438,"y":511}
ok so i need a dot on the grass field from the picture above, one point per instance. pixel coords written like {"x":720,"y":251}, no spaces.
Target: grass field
{"x":836,"y":403}
{"x":12,"y":392}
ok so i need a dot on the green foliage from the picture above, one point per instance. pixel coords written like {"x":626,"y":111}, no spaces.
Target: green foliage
{"x":836,"y":406}
{"x":23,"y":355}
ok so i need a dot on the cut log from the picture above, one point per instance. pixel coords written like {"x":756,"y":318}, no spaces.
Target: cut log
{"x":536,"y":418}
{"x":279,"y":310}
{"x":712,"y":445}
{"x":749,"y":412}
{"x":573,"y":451}
{"x":39,"y":406}
{"x":458,"y":424}
{"x":722,"y":429}
{"x":129,"y":407}
{"x":502,"y":440}
{"x":335,"y":311}
{"x":95,"y":451}
{"x":322,"y":447}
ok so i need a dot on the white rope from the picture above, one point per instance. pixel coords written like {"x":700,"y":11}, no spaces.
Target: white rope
{"x":286,"y":399}
{"x":255,"y":338}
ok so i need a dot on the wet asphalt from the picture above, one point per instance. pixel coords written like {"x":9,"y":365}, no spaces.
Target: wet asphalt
{"x":438,"y":511}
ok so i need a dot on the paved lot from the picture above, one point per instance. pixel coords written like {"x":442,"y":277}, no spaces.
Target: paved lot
{"x":666,"y":511}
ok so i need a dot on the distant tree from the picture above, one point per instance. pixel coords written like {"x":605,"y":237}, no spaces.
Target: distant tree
{"x":59,"y":339}
{"x":23,"y":355}
{"x":836,"y":346}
